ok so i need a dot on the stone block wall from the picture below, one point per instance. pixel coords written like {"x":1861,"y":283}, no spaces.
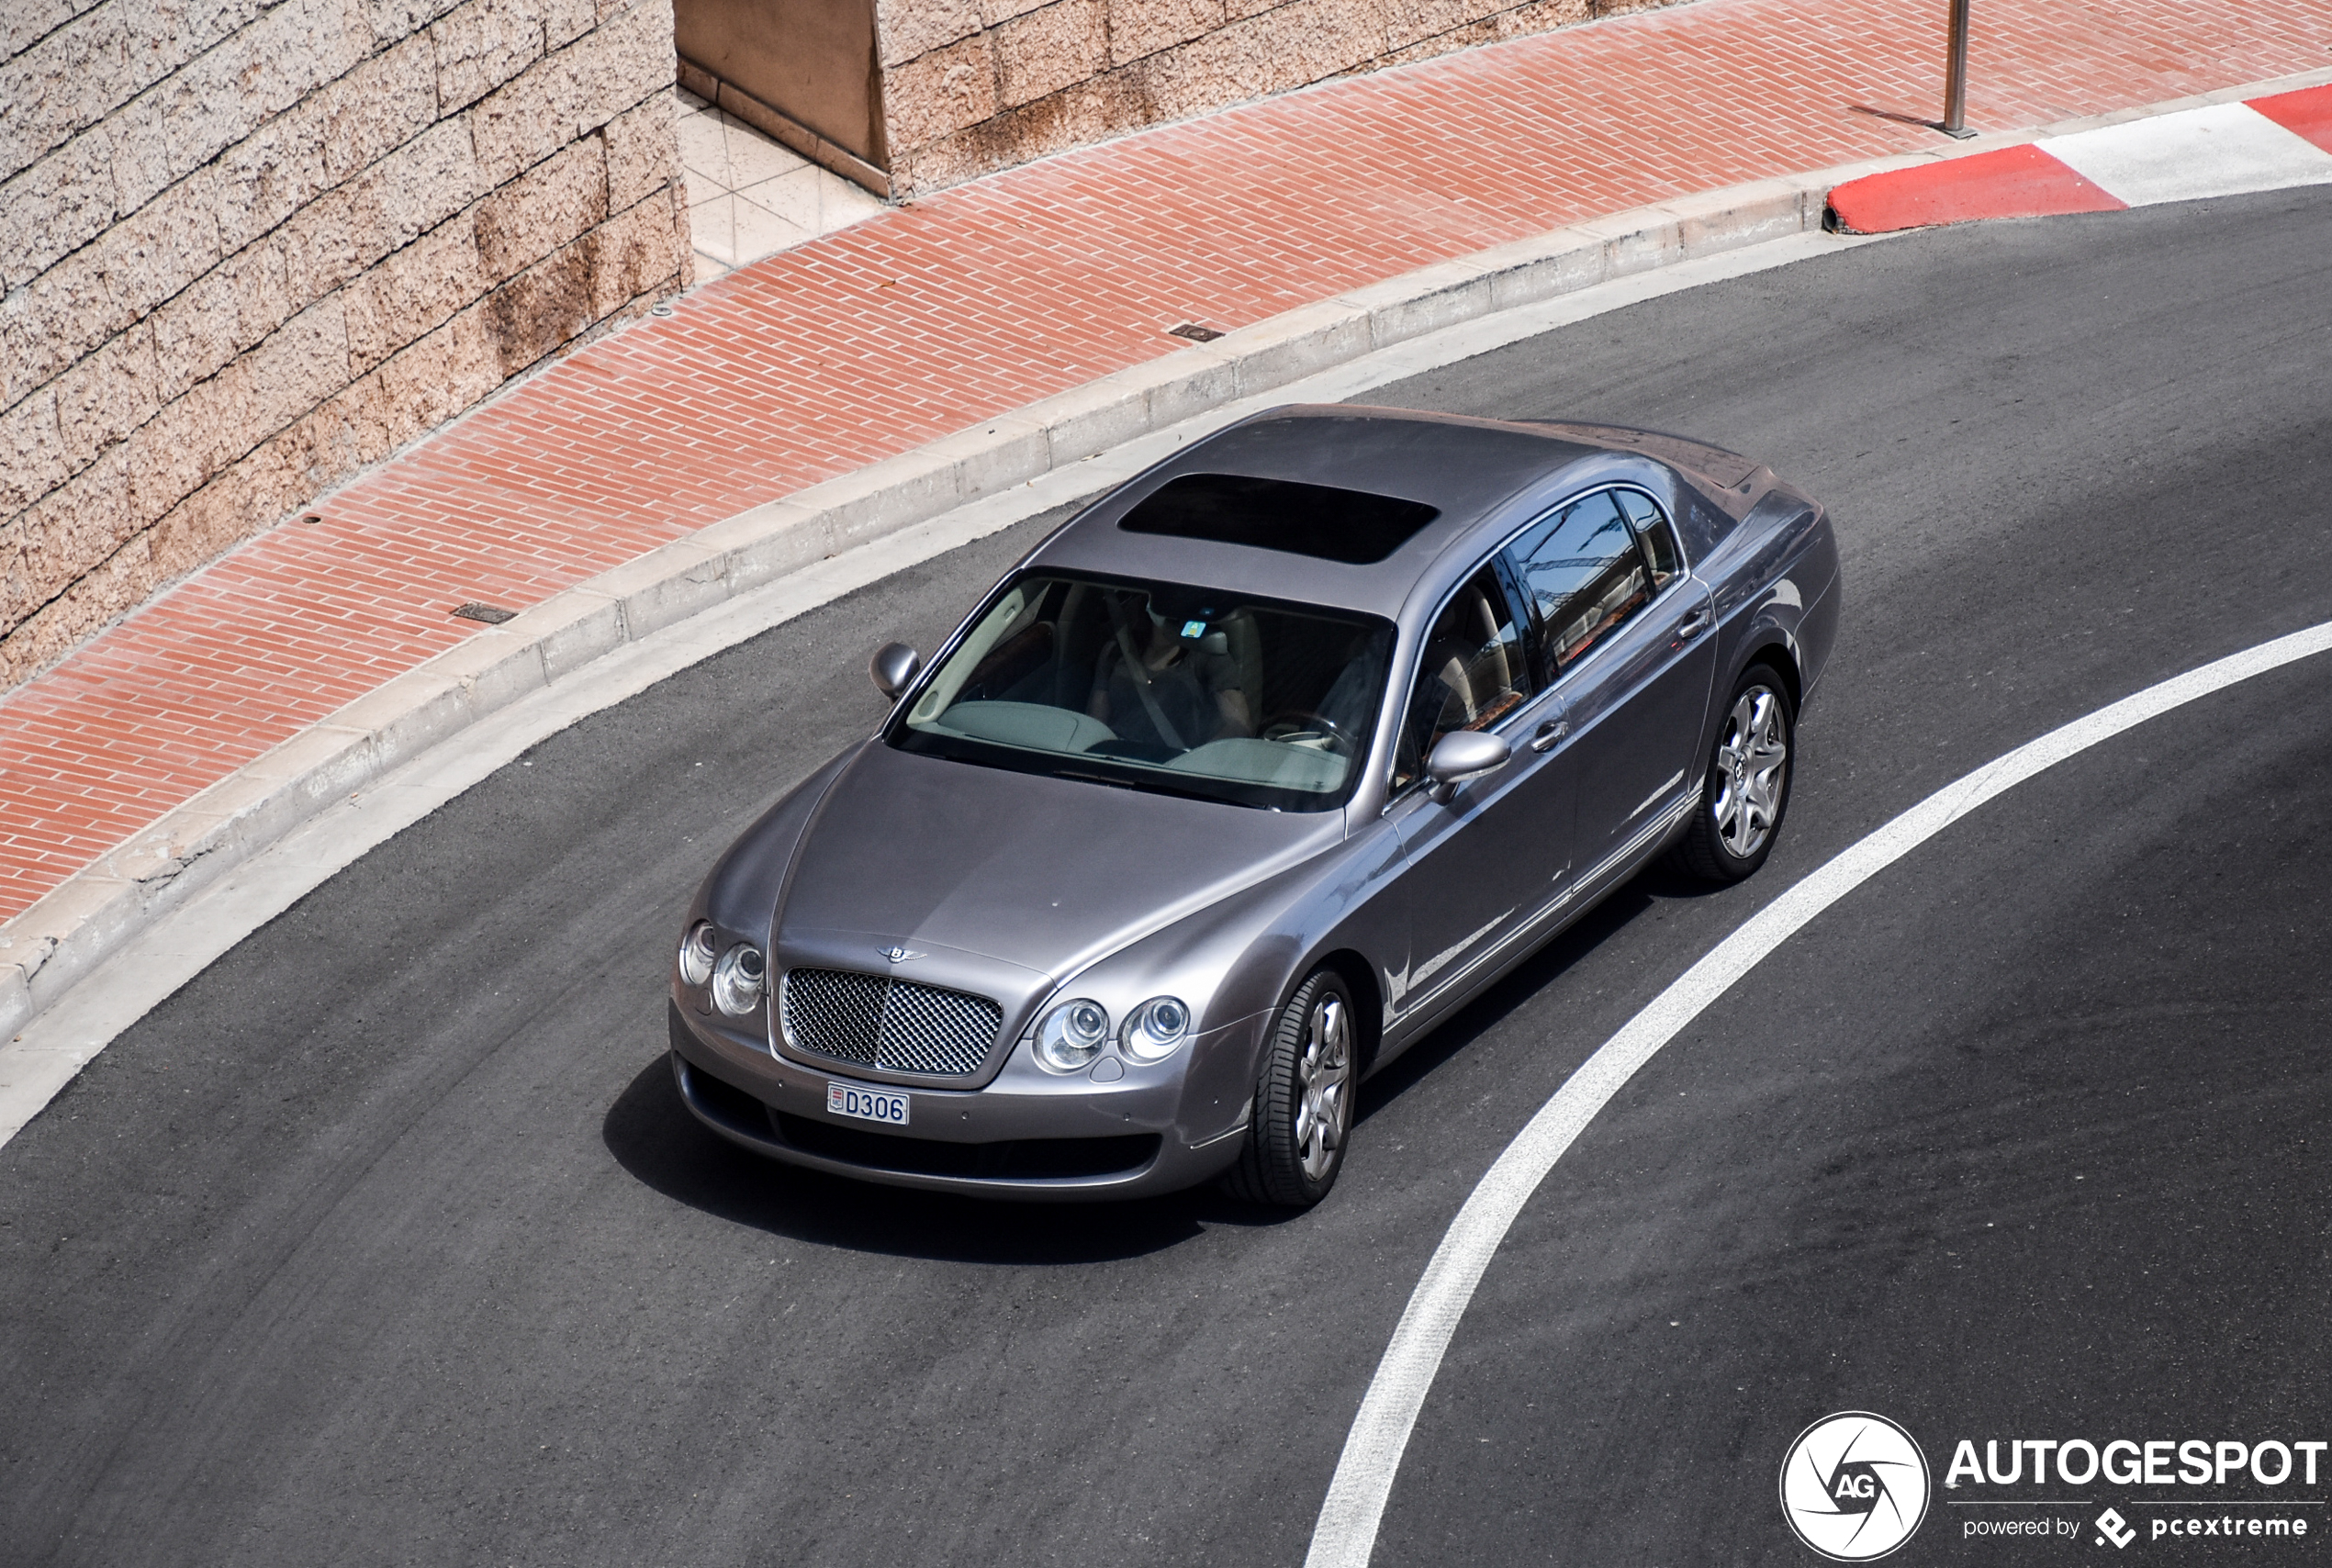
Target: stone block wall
{"x":249,"y":247}
{"x":974,"y":85}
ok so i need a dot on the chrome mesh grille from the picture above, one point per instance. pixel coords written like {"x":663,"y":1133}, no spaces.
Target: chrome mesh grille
{"x":895,"y":1023}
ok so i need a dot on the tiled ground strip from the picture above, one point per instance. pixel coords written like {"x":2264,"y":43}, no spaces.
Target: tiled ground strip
{"x":2267,"y":144}
{"x":925,"y":320}
{"x":751,"y":198}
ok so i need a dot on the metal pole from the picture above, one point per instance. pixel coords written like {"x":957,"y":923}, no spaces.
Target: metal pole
{"x":1955,"y":75}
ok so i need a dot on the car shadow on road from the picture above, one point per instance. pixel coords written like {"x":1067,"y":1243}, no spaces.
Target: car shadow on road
{"x":651,"y":1134}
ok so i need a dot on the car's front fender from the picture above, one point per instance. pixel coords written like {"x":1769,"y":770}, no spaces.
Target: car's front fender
{"x":1238,"y":960}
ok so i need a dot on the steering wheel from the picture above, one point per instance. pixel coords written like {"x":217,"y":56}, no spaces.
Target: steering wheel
{"x":1291,"y":723}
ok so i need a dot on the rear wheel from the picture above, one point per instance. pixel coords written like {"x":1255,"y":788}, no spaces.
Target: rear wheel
{"x":1747,"y":788}
{"x":1304,"y":1097}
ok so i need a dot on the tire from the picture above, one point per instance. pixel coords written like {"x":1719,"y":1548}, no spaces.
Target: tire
{"x":1304,"y":1099}
{"x":1747,"y":791}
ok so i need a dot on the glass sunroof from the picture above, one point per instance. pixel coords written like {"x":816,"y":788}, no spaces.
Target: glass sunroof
{"x":1319,"y":520}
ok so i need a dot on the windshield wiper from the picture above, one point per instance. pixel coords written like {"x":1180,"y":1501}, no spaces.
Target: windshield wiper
{"x":1029,"y":763}
{"x":1139,"y":786}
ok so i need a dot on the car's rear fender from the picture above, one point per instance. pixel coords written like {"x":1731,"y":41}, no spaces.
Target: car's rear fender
{"x":1774,"y":581}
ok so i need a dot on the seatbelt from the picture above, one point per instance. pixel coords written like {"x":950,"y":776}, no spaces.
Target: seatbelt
{"x":1140,"y":672}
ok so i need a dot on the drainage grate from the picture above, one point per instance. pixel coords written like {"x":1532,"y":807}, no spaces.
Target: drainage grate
{"x":1197,"y":331}
{"x":492,"y":614}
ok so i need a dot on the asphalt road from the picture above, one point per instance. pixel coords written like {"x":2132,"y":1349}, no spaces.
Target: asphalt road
{"x":386,"y":1241}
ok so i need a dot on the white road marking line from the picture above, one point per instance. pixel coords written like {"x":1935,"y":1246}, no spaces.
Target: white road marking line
{"x":1346,"y":1531}
{"x":2225,"y":150}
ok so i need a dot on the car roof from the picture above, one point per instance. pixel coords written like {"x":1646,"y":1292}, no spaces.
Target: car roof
{"x":1468,"y":469}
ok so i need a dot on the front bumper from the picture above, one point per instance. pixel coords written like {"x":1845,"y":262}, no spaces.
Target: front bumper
{"x":1026,"y":1134}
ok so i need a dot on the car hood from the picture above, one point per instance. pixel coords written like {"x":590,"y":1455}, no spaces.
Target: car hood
{"x":1044,"y":874}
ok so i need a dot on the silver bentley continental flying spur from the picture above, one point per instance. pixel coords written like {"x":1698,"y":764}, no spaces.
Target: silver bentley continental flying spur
{"x":1237,"y":785}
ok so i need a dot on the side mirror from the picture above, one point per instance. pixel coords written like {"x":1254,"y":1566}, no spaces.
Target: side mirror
{"x":1463,"y":755}
{"x":893,"y":666}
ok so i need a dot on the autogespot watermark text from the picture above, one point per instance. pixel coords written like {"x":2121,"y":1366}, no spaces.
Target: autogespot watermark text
{"x":2164,"y":1461}
{"x":2255,"y":1488}
{"x":1855,"y":1486}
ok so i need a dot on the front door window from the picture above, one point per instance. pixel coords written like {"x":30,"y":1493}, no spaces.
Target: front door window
{"x":1475,"y":672}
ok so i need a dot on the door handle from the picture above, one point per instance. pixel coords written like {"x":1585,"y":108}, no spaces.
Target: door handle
{"x":1692,"y":625}
{"x":1550,"y":732}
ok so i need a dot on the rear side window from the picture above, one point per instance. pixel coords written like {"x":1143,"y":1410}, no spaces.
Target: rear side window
{"x":1585,"y":575}
{"x":1656,"y":535}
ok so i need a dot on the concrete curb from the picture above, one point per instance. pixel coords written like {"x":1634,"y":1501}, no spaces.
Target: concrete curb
{"x":48,"y":948}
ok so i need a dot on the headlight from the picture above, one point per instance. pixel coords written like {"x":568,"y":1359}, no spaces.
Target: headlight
{"x":698,"y":949}
{"x":1155,"y":1028}
{"x":1072,"y":1035}
{"x":736,"y":979}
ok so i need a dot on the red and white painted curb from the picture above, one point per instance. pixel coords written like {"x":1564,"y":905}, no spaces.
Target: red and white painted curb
{"x":2224,"y":150}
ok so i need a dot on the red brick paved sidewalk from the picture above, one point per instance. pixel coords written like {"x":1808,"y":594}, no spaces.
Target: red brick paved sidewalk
{"x":927,"y":320}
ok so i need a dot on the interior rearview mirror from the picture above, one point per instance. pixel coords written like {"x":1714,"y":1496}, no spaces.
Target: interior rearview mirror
{"x":893,"y":666}
{"x":1463,"y":755}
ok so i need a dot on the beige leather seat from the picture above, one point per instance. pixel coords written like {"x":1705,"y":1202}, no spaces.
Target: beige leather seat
{"x":1469,"y":659}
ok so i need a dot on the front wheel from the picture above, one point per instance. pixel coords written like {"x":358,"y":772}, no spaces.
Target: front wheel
{"x":1747,"y":789}
{"x":1304,"y":1097}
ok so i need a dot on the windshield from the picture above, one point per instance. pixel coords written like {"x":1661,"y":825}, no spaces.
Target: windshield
{"x":1155,"y":685}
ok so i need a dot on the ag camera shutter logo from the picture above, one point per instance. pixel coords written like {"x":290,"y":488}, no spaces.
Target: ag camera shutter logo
{"x":1854,"y":1486}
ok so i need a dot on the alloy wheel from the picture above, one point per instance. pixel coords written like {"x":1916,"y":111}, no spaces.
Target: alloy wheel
{"x":1324,"y":1082}
{"x":1753,"y":762}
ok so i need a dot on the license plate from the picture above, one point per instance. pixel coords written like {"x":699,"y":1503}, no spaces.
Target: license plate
{"x":883,"y":1106}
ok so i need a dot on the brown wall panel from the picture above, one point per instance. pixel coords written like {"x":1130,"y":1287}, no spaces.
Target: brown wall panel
{"x":812,"y":61}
